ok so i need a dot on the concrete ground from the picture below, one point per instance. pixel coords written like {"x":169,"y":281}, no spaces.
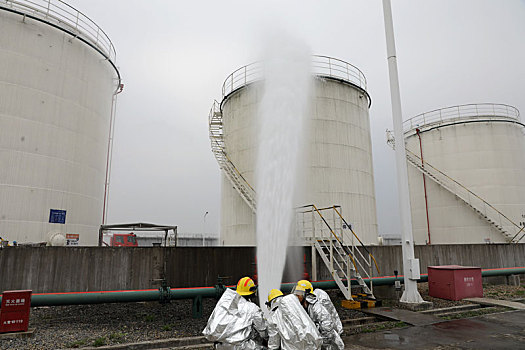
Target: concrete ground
{"x":494,"y":331}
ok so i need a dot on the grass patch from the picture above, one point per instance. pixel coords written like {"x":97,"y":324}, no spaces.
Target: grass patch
{"x":117,"y":337}
{"x":77,"y":343}
{"x":149,"y":318}
{"x":166,"y":327}
{"x":100,"y":341}
{"x":472,"y":313}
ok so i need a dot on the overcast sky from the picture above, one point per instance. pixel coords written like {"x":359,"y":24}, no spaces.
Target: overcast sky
{"x":174,"y":56}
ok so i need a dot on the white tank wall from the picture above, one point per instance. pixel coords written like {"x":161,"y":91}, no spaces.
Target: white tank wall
{"x":339,"y":158}
{"x":486,"y":157}
{"x":55,"y":107}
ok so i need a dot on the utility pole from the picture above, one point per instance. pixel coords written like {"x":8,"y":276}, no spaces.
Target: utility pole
{"x":410,"y":264}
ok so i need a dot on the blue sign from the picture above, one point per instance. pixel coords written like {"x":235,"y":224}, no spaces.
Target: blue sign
{"x":57,"y":216}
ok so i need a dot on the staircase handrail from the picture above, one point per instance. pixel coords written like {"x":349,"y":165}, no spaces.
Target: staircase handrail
{"x":225,"y":163}
{"x":332,"y":232}
{"x":466,"y":189}
{"x":358,"y":239}
{"x":391,"y":142}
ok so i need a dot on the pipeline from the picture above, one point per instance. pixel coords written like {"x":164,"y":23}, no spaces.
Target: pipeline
{"x":165,"y":294}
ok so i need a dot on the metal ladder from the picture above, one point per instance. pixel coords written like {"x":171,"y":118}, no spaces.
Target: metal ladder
{"x":338,"y":251}
{"x":242,"y":186}
{"x":485,"y":210}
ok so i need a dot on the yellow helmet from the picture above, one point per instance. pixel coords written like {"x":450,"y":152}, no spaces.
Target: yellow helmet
{"x":245,"y":286}
{"x":274,"y":293}
{"x":305,"y":285}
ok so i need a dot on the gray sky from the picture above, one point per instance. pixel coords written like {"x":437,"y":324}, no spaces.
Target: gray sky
{"x":174,"y":57}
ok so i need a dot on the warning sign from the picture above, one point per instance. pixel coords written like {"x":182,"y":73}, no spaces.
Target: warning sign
{"x":72,"y":238}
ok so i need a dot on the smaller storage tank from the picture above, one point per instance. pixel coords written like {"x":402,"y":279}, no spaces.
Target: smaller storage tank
{"x":339,"y":167}
{"x":466,"y":168}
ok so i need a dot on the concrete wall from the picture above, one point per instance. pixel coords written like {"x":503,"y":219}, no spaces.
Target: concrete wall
{"x":64,"y":269}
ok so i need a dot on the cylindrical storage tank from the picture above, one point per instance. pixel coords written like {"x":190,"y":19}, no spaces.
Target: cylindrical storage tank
{"x":57,"y":86}
{"x":339,"y":156}
{"x":473,"y":189}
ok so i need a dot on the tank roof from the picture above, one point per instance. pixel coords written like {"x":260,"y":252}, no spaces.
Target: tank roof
{"x":322,"y":66}
{"x":460,"y":114}
{"x":68,"y":19}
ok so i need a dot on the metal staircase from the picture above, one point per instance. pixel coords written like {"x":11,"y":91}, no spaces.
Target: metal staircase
{"x":485,"y":210}
{"x":328,"y":233}
{"x":217,"y":146}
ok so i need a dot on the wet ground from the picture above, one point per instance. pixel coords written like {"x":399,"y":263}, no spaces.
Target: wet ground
{"x":504,"y":330}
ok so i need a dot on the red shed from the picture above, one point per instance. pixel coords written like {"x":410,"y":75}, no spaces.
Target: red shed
{"x":454,"y":282}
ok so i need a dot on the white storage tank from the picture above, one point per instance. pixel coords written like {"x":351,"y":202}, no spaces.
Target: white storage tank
{"x":474,"y":159}
{"x":339,"y":154}
{"x":57,"y":84}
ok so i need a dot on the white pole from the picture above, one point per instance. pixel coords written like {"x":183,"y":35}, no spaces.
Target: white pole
{"x":410,"y":265}
{"x":204,"y":229}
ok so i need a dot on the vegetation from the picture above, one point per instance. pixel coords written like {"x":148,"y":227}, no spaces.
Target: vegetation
{"x":77,"y":343}
{"x":473,"y":313}
{"x":100,"y":341}
{"x":117,"y":337}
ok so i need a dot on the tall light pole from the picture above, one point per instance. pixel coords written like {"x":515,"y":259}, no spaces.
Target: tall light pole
{"x":204,"y":229}
{"x":410,"y":264}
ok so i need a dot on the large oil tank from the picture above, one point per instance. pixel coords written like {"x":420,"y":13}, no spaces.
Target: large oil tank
{"x":339,"y":154}
{"x":57,"y":84}
{"x":473,"y":189}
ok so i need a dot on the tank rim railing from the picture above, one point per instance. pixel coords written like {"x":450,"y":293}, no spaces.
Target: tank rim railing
{"x":66,"y":16}
{"x":322,"y":66}
{"x":461,"y":112}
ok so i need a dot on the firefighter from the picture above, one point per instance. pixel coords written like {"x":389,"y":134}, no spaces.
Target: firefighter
{"x":319,"y":311}
{"x":325,"y":298}
{"x":237,"y":322}
{"x":289,"y":326}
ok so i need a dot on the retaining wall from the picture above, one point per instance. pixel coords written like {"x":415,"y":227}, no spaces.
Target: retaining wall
{"x":70,"y":269}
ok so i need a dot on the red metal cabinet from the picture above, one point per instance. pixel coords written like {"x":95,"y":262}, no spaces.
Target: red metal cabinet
{"x":14,"y":312}
{"x":454,"y":282}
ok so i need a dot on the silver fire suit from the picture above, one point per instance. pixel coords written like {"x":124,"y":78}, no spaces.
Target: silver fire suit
{"x":324,"y":322}
{"x":236,"y":323}
{"x":325,"y":299}
{"x":289,"y":327}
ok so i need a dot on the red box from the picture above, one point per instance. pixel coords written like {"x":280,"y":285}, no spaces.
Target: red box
{"x":14,"y":312}
{"x":454,"y":282}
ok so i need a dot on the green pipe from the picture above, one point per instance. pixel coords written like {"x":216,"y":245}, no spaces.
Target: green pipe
{"x":77,"y":298}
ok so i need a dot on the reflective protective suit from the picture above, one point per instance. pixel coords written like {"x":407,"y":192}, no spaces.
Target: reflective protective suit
{"x":325,"y":299}
{"x":290,"y":328}
{"x":235,"y":323}
{"x":324,"y":322}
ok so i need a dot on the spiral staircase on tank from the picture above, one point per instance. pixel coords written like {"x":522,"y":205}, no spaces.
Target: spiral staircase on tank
{"x":512,"y":232}
{"x":342,"y":260}
{"x":238,"y":181}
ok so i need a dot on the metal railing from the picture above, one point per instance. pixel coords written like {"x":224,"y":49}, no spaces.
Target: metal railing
{"x":322,"y":66}
{"x":325,"y":228}
{"x":237,"y":180}
{"x":67,"y":17}
{"x":462,"y":112}
{"x":495,"y":217}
